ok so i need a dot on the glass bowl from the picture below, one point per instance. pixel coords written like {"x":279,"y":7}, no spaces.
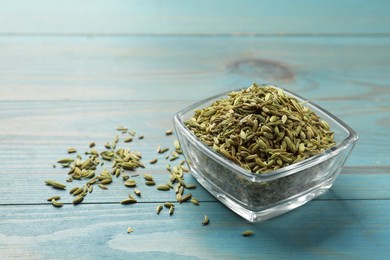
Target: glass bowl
{"x":257,"y":197}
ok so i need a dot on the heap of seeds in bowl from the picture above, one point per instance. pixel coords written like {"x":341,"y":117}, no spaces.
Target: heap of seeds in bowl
{"x":261,"y":129}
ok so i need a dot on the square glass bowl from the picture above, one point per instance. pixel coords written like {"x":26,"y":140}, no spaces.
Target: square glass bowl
{"x":257,"y":197}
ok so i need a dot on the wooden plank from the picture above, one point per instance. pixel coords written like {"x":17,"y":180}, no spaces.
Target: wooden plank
{"x":191,"y":68}
{"x":29,"y":189}
{"x":195,"y":17}
{"x":323,"y":229}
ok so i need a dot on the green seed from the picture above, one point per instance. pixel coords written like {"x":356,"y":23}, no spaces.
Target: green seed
{"x":248,"y":233}
{"x":102,"y":186}
{"x":190,"y":186}
{"x":163,"y":187}
{"x":129,"y":201}
{"x":128,"y":139}
{"x":194,"y":201}
{"x":137,"y":192}
{"x":168,"y":204}
{"x":158,"y":209}
{"x":72,"y":150}
{"x":176,"y":144}
{"x":171,"y":210}
{"x":73,"y":190}
{"x":163,"y":150}
{"x":130,"y":183}
{"x":78,"y":199}
{"x":56,"y":203}
{"x":153,"y":161}
{"x":55,"y":184}
{"x":186,"y":197}
{"x":150,"y":183}
{"x":185,"y":169}
{"x":77,"y":191}
{"x":148,"y":177}
{"x":54,"y":198}
{"x":66,"y":160}
{"x":122,"y":128}
{"x":106,"y":181}
{"x":141,"y":137}
{"x":206,"y":220}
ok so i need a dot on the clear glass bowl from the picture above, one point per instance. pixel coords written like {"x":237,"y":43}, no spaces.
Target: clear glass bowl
{"x":257,"y":197}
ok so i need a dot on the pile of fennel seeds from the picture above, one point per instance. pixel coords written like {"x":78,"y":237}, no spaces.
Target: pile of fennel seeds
{"x":124,"y":163}
{"x":261,"y":129}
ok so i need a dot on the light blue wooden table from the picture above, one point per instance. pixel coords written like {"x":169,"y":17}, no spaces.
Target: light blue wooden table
{"x":72,"y":71}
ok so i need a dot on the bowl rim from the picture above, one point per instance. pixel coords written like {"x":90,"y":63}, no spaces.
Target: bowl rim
{"x":349,"y":140}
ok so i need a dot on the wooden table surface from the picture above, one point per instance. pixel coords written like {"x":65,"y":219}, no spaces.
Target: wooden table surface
{"x":72,"y":71}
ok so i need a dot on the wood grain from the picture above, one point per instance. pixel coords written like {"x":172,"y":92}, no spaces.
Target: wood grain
{"x":195,"y":17}
{"x":191,"y":68}
{"x":72,"y":71}
{"x":322,"y":229}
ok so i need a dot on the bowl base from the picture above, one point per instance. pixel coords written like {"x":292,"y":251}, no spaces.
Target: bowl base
{"x":269,"y":211}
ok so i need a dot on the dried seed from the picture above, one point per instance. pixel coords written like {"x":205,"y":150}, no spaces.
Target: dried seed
{"x":54,"y":198}
{"x":56,"y":203}
{"x":184,"y":168}
{"x":137,"y":192}
{"x":125,"y":177}
{"x":122,"y":129}
{"x":194,"y":201}
{"x":163,"y":187}
{"x":91,"y":145}
{"x":102,"y":186}
{"x":106,"y":181}
{"x":129,"y":201}
{"x":190,"y":186}
{"x":65,"y":160}
{"x":141,"y":137}
{"x":153,"y":161}
{"x":72,"y":150}
{"x":171,"y":210}
{"x":90,"y":189}
{"x":55,"y":184}
{"x":168,"y":204}
{"x":206,"y":220}
{"x":148,"y":177}
{"x":150,"y":183}
{"x":73,"y":190}
{"x":163,"y":150}
{"x":168,"y":132}
{"x":158,"y":209}
{"x":128,"y":139}
{"x":248,"y":233}
{"x":130,"y":183}
{"x":78,"y":200}
{"x":284,"y":119}
{"x":176,"y":144}
{"x":186,"y":197}
{"x":77,"y":191}
{"x":107,"y":145}
{"x":129,"y":230}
